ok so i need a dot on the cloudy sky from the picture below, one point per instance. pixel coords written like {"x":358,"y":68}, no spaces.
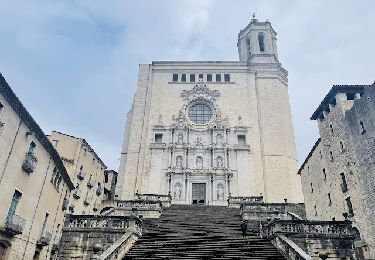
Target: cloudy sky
{"x":74,"y":63}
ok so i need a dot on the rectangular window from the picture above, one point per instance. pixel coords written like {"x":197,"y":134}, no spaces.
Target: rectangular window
{"x":158,"y":138}
{"x":350,"y":206}
{"x":13,"y":205}
{"x":201,"y":76}
{"x":192,"y":77}
{"x":175,"y":77}
{"x":209,"y":77}
{"x":1,"y":107}
{"x":54,"y":143}
{"x":227,"y":77}
{"x":329,"y":199}
{"x":218,"y":77}
{"x":344,"y":185}
{"x":183,"y":78}
{"x":241,"y":139}
{"x":350,"y":96}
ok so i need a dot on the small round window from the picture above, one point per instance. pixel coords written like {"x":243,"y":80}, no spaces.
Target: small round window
{"x":200,"y":113}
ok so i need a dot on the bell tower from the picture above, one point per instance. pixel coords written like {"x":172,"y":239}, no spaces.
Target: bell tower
{"x":257,"y":42}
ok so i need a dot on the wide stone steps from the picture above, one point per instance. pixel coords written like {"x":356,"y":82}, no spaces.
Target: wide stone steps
{"x":201,"y":232}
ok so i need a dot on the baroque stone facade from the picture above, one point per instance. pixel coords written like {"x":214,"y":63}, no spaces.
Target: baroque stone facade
{"x":34,"y":184}
{"x":337,"y":176}
{"x":207,"y":130}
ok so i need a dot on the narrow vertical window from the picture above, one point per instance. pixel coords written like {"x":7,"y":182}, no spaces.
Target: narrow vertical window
{"x":192,"y":77}
{"x":218,"y":77}
{"x":13,"y":206}
{"x":316,"y":212}
{"x":209,"y":77}
{"x":1,"y":107}
{"x":331,"y":155}
{"x":363,"y":130}
{"x":248,"y":44}
{"x":342,"y":146}
{"x":241,"y":139}
{"x":331,"y":127}
{"x":344,"y":185}
{"x":175,"y":77}
{"x":312,"y":189}
{"x":32,"y":147}
{"x":183,"y":78}
{"x":324,"y":174}
{"x":350,"y":206}
{"x":227,"y":77}
{"x":200,"y":76}
{"x":261,"y":41}
{"x":329,"y":199}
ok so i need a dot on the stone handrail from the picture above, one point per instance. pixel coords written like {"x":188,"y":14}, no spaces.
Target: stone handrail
{"x":155,"y":197}
{"x":290,"y":249}
{"x":246,"y":199}
{"x":329,"y":228}
{"x":133,"y":204}
{"x":119,"y":248}
{"x":284,"y":208}
{"x":76,"y":222}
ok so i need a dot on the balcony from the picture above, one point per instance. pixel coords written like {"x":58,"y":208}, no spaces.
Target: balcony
{"x":87,"y":200}
{"x":29,"y":162}
{"x":81,"y":175}
{"x":44,"y":239}
{"x":77,"y":194}
{"x":14,"y":225}
{"x":344,"y":187}
{"x":241,"y":147}
{"x":90,"y":183}
{"x":65,"y":204}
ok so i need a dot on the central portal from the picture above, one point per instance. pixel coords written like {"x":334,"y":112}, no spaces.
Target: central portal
{"x":199,"y":193}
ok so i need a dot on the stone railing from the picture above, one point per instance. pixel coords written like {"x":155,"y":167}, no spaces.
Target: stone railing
{"x":103,"y":230}
{"x":119,"y":248}
{"x":77,"y":193}
{"x":164,"y":199}
{"x":265,"y":211}
{"x":235,"y":202}
{"x":29,"y":163}
{"x":138,"y":207}
{"x":241,"y":147}
{"x":14,"y":225}
{"x":290,"y":249}
{"x":158,"y":146}
{"x":292,"y":237}
{"x":331,"y":228}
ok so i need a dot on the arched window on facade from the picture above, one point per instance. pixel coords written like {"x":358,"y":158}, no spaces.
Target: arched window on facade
{"x":199,"y":162}
{"x":261,"y":41}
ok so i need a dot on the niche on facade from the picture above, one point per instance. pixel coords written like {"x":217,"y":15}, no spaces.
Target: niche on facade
{"x":220,"y":191}
{"x":179,"y":161}
{"x":180,"y":139}
{"x":177,"y":191}
{"x":219,"y":162}
{"x":199,"y":162}
{"x":219,"y":139}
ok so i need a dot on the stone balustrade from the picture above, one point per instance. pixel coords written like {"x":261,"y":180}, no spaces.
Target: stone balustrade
{"x":235,"y":202}
{"x":139,"y":207}
{"x":266,"y":211}
{"x":83,"y":233}
{"x":334,"y":238}
{"x":29,"y":162}
{"x":331,"y":228}
{"x":164,"y":199}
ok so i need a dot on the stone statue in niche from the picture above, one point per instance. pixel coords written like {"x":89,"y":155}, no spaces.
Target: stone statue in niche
{"x":180,"y":139}
{"x":178,"y":161}
{"x":199,"y":140}
{"x":219,"y":162}
{"x":220,"y":191}
{"x":177,"y":191}
{"x":219,"y":139}
{"x":199,"y":162}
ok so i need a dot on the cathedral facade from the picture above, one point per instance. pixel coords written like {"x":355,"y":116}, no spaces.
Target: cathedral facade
{"x":203,"y":131}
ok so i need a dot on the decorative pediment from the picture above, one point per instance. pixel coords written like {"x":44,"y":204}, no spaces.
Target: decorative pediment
{"x":200,"y":90}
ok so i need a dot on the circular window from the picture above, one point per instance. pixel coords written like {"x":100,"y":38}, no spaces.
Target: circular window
{"x":200,"y":113}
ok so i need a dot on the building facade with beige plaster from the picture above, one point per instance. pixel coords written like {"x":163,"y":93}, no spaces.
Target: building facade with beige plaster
{"x":34,"y":185}
{"x":203,"y":131}
{"x":338,"y":174}
{"x":86,"y":170}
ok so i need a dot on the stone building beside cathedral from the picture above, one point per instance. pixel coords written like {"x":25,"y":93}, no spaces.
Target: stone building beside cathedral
{"x":203,"y":131}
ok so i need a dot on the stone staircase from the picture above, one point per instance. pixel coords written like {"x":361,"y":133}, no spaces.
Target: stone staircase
{"x":201,"y":232}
